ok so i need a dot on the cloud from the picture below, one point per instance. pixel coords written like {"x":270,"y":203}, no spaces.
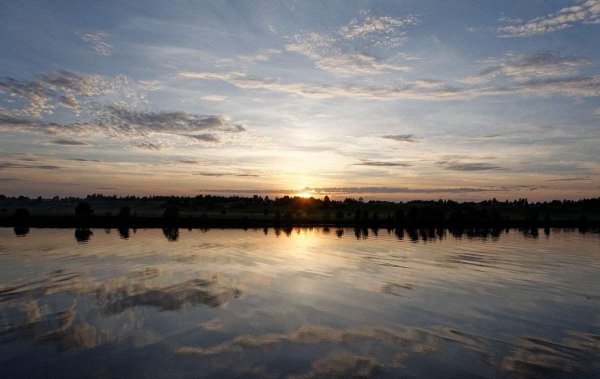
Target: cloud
{"x":378,"y":31}
{"x":573,"y":179}
{"x":383,"y":164}
{"x":214,"y":98}
{"x":329,"y":57}
{"x":577,"y":86}
{"x":85,"y":160}
{"x":188,"y":161}
{"x":406,"y":90}
{"x":469,"y":166}
{"x":122,"y":123}
{"x":16,"y":165}
{"x":337,"y":52}
{"x":587,"y":12}
{"x":128,"y":121}
{"x":68,"y":142}
{"x":97,"y":41}
{"x":261,"y":56}
{"x":69,"y":90}
{"x":525,"y":67}
{"x":218,"y":174}
{"x":204,"y":137}
{"x":153,"y":146}
{"x":376,"y":190}
{"x":411,"y":138}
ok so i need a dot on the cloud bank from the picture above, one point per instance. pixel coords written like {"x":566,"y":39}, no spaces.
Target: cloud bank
{"x":587,"y":12}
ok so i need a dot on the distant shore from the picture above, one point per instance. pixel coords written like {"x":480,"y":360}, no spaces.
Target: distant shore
{"x":99,"y":211}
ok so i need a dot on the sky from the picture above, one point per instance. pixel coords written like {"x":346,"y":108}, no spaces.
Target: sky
{"x":394,"y":100}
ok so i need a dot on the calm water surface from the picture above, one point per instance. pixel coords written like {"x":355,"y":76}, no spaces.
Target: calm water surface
{"x":310,"y":303}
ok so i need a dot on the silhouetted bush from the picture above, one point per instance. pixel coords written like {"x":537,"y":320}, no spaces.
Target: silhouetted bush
{"x":21,"y":217}
{"x":84,"y":209}
{"x":124,"y":213}
{"x":171,"y":215}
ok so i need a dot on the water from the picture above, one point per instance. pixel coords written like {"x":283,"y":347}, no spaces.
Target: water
{"x":306,"y":303}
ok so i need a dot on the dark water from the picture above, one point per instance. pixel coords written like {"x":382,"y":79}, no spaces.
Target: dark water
{"x":309,"y":303}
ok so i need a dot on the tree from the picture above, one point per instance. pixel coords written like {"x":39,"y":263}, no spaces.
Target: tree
{"x":21,"y":215}
{"x":83,"y":209}
{"x":124,"y":213}
{"x":171,"y":214}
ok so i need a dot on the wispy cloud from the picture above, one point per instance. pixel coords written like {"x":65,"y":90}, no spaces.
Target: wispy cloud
{"x":218,"y":174}
{"x":69,"y":90}
{"x":572,"y":179}
{"x":576,"y":86}
{"x":378,"y":31}
{"x":97,"y":41}
{"x":214,"y":98}
{"x":260,"y":56}
{"x":204,"y":137}
{"x":68,"y":142}
{"x":336,"y":52}
{"x":119,"y":119}
{"x":469,"y":166}
{"x":140,"y":122}
{"x":377,"y":190}
{"x":411,"y":138}
{"x":587,"y":12}
{"x":85,"y":160}
{"x":152,"y":146}
{"x":17,"y":165}
{"x":524,"y":67}
{"x":383,"y":164}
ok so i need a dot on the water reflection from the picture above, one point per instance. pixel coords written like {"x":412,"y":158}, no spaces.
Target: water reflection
{"x":170,"y":298}
{"x":83,"y":234}
{"x":303,"y":303}
{"x":172,"y":234}
{"x":124,"y":233}
{"x":21,"y":231}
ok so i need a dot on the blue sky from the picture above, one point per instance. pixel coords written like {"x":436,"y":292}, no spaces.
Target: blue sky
{"x":386,"y":99}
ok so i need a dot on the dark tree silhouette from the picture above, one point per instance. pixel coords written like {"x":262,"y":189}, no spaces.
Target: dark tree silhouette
{"x":124,"y":213}
{"x":21,"y":217}
{"x":171,"y":214}
{"x":84,"y":209}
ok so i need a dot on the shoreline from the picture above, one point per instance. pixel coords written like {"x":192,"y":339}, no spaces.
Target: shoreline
{"x":64,"y":222}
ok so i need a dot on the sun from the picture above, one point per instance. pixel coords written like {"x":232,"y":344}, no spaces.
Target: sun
{"x":305,"y":192}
